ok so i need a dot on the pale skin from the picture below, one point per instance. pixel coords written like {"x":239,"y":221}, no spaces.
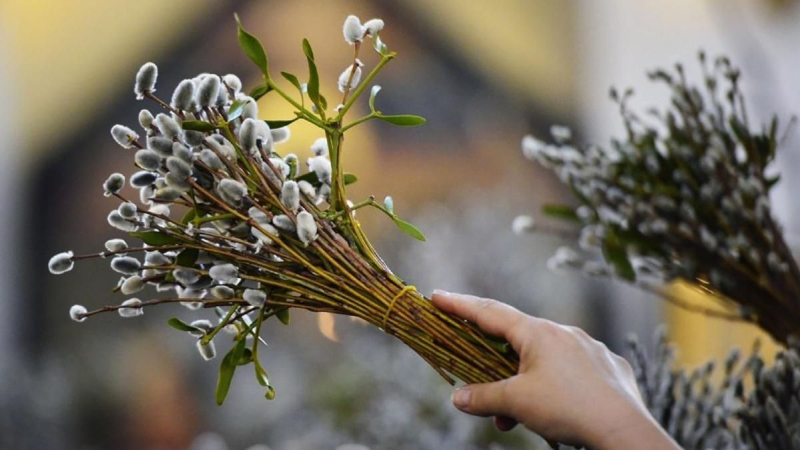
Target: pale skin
{"x":570,"y":388}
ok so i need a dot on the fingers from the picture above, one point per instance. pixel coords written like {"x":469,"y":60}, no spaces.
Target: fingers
{"x":504,"y":423}
{"x":491,"y":316}
{"x":486,"y":399}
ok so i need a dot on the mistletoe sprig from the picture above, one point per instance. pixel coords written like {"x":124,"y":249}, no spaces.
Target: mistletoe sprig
{"x":227,"y":220}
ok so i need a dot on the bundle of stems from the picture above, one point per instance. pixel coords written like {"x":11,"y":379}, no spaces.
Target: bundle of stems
{"x":683,"y":196}
{"x":229,"y":223}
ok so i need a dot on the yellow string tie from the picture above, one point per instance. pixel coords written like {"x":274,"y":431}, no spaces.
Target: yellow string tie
{"x":397,"y":297}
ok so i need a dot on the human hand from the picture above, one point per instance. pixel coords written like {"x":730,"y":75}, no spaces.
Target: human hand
{"x":570,"y":388}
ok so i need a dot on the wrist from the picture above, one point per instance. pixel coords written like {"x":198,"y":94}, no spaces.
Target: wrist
{"x":632,"y":427}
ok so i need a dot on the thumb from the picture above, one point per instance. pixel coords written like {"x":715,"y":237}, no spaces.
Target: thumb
{"x":486,"y":399}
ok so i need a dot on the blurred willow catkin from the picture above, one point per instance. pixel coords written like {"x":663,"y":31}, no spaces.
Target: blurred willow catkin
{"x":749,"y":406}
{"x":684,"y":195}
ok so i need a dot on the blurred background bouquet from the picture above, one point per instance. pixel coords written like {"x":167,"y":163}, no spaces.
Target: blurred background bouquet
{"x":496,"y":73}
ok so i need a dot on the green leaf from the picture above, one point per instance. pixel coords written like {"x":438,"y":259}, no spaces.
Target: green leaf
{"x":247,"y":357}
{"x":180,"y":325}
{"x":198,"y":125}
{"x":771,"y":182}
{"x":260,"y":91}
{"x":379,"y":46}
{"x":313,"y":75}
{"x":311,"y":177}
{"x":403,"y":120}
{"x":409,"y":229}
{"x":293,"y":79}
{"x":273,"y":124}
{"x":252,"y":48}
{"x":155,"y":238}
{"x":561,"y":212}
{"x":349,"y":178}
{"x":372,"y":94}
{"x":283,"y":315}
{"x":616,"y":255}
{"x":187,"y":257}
{"x":189,"y":216}
{"x":261,"y":375}
{"x":227,"y":369}
{"x":236,"y":109}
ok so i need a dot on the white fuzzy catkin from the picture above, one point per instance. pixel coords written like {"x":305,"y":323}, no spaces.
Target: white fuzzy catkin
{"x":211,"y":159}
{"x":564,"y":257}
{"x":76,"y":313}
{"x":261,"y":236}
{"x":352,"y":30}
{"x":320,"y":147}
{"x":221,"y":292}
{"x":221,"y":145}
{"x":208,"y":91}
{"x":254,"y":297}
{"x":283,"y":222}
{"x":145,"y":80}
{"x":147,"y":159}
{"x":157,"y":259}
{"x":119,"y":222}
{"x":250,"y":109}
{"x":124,"y":136}
{"x":145,"y":119}
{"x":127,"y":210}
{"x":231,"y":191}
{"x":233,"y":82}
{"x":186,"y":276}
{"x":132,"y":285}
{"x":160,"y":145}
{"x":281,"y":135}
{"x":280,"y":165}
{"x":168,"y":126}
{"x":131,"y":308}
{"x":116,"y":245}
{"x":183,"y":95}
{"x":258,"y":215}
{"x":183,"y":152}
{"x":207,"y":351}
{"x":179,"y":168}
{"x":306,"y":227}
{"x":321,"y":166}
{"x":560,"y":133}
{"x":290,"y":195}
{"x":113,"y":184}
{"x":61,"y":263}
{"x":373,"y":26}
{"x":203,"y":324}
{"x":252,"y":131}
{"x":523,"y":224}
{"x":345,"y":77}
{"x":160,"y":208}
{"x":307,"y":189}
{"x":224,"y":273}
{"x":125,"y":265}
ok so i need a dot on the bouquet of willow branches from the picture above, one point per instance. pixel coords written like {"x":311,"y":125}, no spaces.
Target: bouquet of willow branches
{"x":684,"y":196}
{"x":228,"y":222}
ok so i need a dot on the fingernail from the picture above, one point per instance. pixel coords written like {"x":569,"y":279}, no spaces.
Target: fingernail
{"x":461,"y":398}
{"x":440,"y":292}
